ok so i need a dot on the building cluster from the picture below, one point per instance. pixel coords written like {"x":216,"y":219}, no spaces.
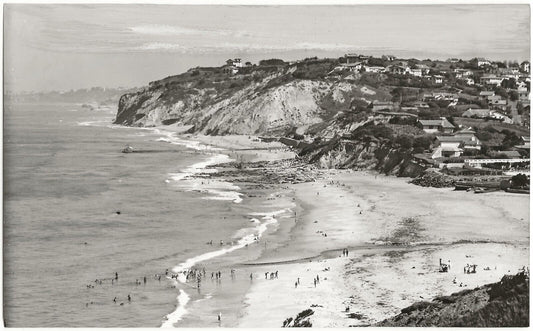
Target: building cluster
{"x":233,"y":66}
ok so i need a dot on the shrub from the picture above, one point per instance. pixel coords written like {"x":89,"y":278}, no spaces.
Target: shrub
{"x":405,"y":141}
{"x":422,"y":142}
{"x":519,"y":180}
{"x":271,"y":62}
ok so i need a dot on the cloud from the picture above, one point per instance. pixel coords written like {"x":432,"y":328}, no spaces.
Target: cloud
{"x":162,"y":47}
{"x":228,"y":47}
{"x":164,"y":30}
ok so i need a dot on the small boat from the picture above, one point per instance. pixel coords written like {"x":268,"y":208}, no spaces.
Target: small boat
{"x":128,"y":149}
{"x":461,"y":187}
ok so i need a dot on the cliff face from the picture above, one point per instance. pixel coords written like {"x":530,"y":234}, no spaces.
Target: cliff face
{"x":377,"y":155}
{"x":259,"y":101}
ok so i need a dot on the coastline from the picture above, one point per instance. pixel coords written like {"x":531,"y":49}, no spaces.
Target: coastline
{"x":407,"y":254}
{"x":365,"y":213}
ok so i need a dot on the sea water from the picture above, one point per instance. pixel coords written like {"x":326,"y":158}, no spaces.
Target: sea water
{"x":77,"y":211}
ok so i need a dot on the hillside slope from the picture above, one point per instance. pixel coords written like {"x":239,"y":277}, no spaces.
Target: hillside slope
{"x":502,"y":304}
{"x":266,"y":100}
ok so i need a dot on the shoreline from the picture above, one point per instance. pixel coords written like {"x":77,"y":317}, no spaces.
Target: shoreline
{"x":376,"y":240}
{"x":246,"y":150}
{"x":378,"y":246}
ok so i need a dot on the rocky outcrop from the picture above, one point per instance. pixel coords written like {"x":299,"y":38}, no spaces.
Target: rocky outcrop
{"x":373,"y":154}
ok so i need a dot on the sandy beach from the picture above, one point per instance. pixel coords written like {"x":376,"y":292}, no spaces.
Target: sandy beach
{"x":394,"y":233}
{"x":395,"y":236}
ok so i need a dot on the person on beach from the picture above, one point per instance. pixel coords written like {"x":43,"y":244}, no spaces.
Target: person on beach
{"x":295,"y":284}
{"x":116,"y":275}
{"x":266,"y":275}
{"x":276,"y":274}
{"x":298,"y":281}
{"x":219,"y":316}
{"x":212,"y":275}
{"x":144,"y":279}
{"x":317,"y":279}
{"x":251,"y":276}
{"x":314,"y":281}
{"x":115,"y":299}
{"x":129,"y":298}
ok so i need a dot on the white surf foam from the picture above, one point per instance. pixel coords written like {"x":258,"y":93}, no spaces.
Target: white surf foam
{"x":200,"y":167}
{"x":183,"y":298}
{"x":176,"y":315}
{"x":94,"y":123}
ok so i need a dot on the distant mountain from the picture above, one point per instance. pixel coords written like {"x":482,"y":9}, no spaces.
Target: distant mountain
{"x":98,"y":95}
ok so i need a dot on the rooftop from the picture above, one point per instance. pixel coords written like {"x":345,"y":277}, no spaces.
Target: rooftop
{"x":442,"y":122}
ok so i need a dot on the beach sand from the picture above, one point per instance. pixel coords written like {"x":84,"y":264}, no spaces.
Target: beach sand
{"x":396,"y":233}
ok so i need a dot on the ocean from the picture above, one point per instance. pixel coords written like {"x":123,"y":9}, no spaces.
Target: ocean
{"x":77,"y":211}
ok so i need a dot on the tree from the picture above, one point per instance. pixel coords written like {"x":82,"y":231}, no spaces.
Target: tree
{"x":510,"y":140}
{"x":405,"y":141}
{"x":520,"y":180}
{"x":271,"y":62}
{"x":501,"y":92}
{"x":513,"y":95}
{"x":376,"y":62}
{"x":422,"y":142}
{"x":509,"y":83}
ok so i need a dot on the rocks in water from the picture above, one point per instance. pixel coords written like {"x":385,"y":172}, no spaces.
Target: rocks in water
{"x":290,"y":171}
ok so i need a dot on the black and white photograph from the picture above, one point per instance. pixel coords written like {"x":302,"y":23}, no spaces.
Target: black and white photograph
{"x":239,"y":164}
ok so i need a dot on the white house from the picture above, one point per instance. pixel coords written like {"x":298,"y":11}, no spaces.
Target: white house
{"x":353,"y":66}
{"x":375,"y":69}
{"x":416,"y":72}
{"x":487,"y":113}
{"x":491,"y":80}
{"x":437,"y":79}
{"x":398,"y":70}
{"x":425,"y":69}
{"x":462,"y":73}
{"x":524,"y":66}
{"x":481,"y":62}
{"x":434,"y":126}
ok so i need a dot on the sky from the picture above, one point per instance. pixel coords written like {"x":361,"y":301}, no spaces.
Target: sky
{"x":71,"y":46}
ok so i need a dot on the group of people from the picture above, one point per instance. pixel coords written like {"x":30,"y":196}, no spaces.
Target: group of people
{"x":316,"y":281}
{"x":113,"y":280}
{"x":470,"y":269}
{"x":122,"y":303}
{"x":272,"y":275}
{"x":345,"y":252}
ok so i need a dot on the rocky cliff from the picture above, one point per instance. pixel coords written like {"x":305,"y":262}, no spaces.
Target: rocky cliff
{"x":266,"y":100}
{"x":309,"y":100}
